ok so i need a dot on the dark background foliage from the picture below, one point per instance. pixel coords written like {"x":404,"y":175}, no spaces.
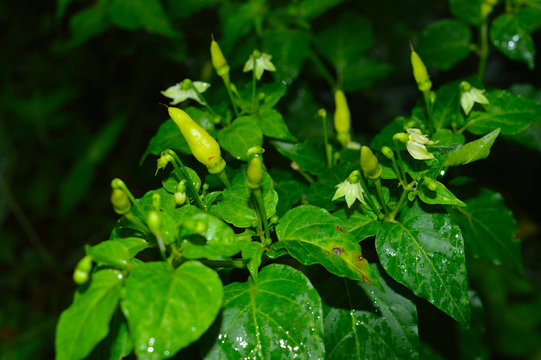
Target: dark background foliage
{"x":79,"y":102}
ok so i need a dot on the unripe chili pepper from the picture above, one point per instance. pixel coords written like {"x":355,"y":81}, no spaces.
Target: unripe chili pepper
{"x":203,"y":146}
{"x":369,"y":163}
{"x":82,"y":270}
{"x":218,"y":60}
{"x":154,"y":222}
{"x":342,"y":118}
{"x":180,"y":194}
{"x":254,"y":174}
{"x":432,"y":185}
{"x":121,"y":203}
{"x":419,"y":71}
{"x":387,"y":152}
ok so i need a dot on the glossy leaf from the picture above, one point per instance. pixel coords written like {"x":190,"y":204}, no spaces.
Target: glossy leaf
{"x":133,"y":244}
{"x":425,"y":252}
{"x":511,"y":38}
{"x":313,"y":236}
{"x":376,"y":324}
{"x":169,"y":309}
{"x":272,"y":125}
{"x":309,"y":158}
{"x":444,"y":43}
{"x":358,"y":224}
{"x":237,"y":208}
{"x":289,"y":49}
{"x":446,"y":137}
{"x":170,"y":183}
{"x":447,"y":109}
{"x":467,"y":10}
{"x":239,"y":138}
{"x":217,"y":240}
{"x":110,"y":253}
{"x":472,"y":151}
{"x":277,"y":317}
{"x":86,"y":322}
{"x":507,"y":111}
{"x":441,"y":195}
{"x":489,"y":228}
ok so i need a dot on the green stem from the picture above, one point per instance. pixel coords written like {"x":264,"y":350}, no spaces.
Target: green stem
{"x":428,"y":104}
{"x":393,"y":213}
{"x":398,"y":164}
{"x":132,"y":199}
{"x":235,"y":263}
{"x":323,"y":69}
{"x":368,"y":196}
{"x":205,"y":103}
{"x":254,"y":83}
{"x":484,"y":51}
{"x":260,"y":208}
{"x":179,"y":167}
{"x":223,"y":177}
{"x":161,"y":246}
{"x":227,"y":84}
{"x":328,"y":149}
{"x":134,"y":219}
{"x":381,"y":198}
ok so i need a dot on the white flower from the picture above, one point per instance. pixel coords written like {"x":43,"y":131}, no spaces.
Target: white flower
{"x":183,"y":90}
{"x":416,"y":144}
{"x":470,"y":96}
{"x":351,"y":189}
{"x":262,"y":62}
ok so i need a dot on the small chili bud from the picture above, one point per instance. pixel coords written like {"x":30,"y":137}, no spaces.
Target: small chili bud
{"x":254,"y":174}
{"x":430,"y":183}
{"x":402,"y":137}
{"x":218,"y":60}
{"x":120,"y":201}
{"x":162,"y":162}
{"x":154,"y":222}
{"x":342,"y":118}
{"x":82,"y":270}
{"x":180,"y":194}
{"x":369,"y":163}
{"x":387,"y":152}
{"x":419,"y":71}
{"x":203,"y":146}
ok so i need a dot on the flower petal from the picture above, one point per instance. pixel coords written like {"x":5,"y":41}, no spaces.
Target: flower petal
{"x":418,"y":151}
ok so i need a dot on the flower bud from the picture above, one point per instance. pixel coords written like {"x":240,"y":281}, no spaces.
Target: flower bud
{"x":342,"y":117}
{"x":154,"y":222}
{"x":254,"y":174}
{"x":82,"y":270}
{"x":387,"y":152}
{"x":120,"y":201}
{"x":180,"y":198}
{"x":217,"y":57}
{"x":369,"y":163}
{"x":431,"y":184}
{"x":402,"y":137}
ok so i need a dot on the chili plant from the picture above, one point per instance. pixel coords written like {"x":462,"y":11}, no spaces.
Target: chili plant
{"x":253,"y":259}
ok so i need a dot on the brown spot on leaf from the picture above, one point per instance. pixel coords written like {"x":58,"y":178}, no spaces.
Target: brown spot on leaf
{"x":337,"y":250}
{"x":339,"y":228}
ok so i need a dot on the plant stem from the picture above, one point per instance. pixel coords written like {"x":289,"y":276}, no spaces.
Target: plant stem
{"x":368,"y":196}
{"x":227,"y":84}
{"x":223,"y":177}
{"x":179,"y":167}
{"x":428,"y":104}
{"x":205,"y":103}
{"x":393,"y":213}
{"x":262,"y":214}
{"x":132,"y":199}
{"x":484,"y":51}
{"x":381,"y":198}
{"x":398,"y":164}
{"x":328,"y":149}
{"x":254,"y":83}
{"x":235,"y":263}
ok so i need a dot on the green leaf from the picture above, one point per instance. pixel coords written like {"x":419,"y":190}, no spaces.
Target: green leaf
{"x":252,"y":252}
{"x":289,"y":49}
{"x":444,"y":43}
{"x":313,"y":8}
{"x":133,"y":244}
{"x":167,"y":137}
{"x":313,"y":236}
{"x":86,"y":322}
{"x":512,"y":113}
{"x":447,"y":108}
{"x":472,"y":342}
{"x":239,"y":138}
{"x":117,"y":344}
{"x":137,"y":14}
{"x":309,"y":158}
{"x":512,"y":39}
{"x":359,"y":225}
{"x":467,"y":10}
{"x":425,"y":252}
{"x":110,"y":253}
{"x":277,"y":317}
{"x":88,"y":23}
{"x":170,"y":183}
{"x":355,"y":330}
{"x":529,"y":18}
{"x":272,"y":93}
{"x":169,"y":309}
{"x":441,"y":196}
{"x":362,"y":72}
{"x":472,"y":151}
{"x":289,"y":193}
{"x":489,"y":228}
{"x":217,"y":240}
{"x":236,"y":207}
{"x":446,"y":137}
{"x":272,"y":124}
